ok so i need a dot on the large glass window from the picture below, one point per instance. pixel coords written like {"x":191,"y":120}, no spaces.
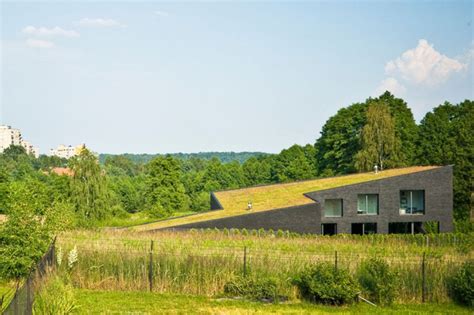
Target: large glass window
{"x":329,"y":228}
{"x":333,"y":208}
{"x":364,"y":228}
{"x":412,"y":201}
{"x":368,"y":204}
{"x":405,"y":228}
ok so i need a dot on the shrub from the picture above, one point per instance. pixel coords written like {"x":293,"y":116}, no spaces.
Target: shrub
{"x":377,"y":280}
{"x":461,"y":284}
{"x":57,"y":297}
{"x":158,"y":211}
{"x":256,"y":289}
{"x":323,"y":284}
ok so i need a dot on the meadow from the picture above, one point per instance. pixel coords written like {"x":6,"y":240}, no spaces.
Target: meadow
{"x":199,"y":263}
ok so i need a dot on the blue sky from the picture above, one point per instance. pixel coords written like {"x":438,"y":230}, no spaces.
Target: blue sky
{"x":170,"y":77}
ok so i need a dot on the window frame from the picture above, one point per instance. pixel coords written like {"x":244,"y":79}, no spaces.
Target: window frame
{"x":410,"y":202}
{"x":363,"y":228}
{"x":367,"y":204}
{"x":334,"y":216}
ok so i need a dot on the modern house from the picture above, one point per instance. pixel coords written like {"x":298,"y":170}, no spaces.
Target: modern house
{"x":405,"y":200}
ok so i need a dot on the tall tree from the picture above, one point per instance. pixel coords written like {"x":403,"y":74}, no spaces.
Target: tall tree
{"x":341,"y":135}
{"x":339,"y":141}
{"x":165,"y":192}
{"x":447,"y":137}
{"x":294,"y":164}
{"x":89,"y":191}
{"x":379,"y":144}
{"x":406,"y":130}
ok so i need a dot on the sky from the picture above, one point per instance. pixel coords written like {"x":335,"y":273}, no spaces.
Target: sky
{"x":162,"y":77}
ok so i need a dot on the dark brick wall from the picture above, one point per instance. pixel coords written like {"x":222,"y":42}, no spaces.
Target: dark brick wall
{"x":437,"y":184}
{"x":215,"y":204}
{"x":301,"y":219}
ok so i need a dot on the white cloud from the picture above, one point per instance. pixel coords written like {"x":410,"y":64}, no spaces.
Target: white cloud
{"x":424,"y":65}
{"x":161,"y":13}
{"x":392,"y":85}
{"x":99,"y":22}
{"x":54,"y":31}
{"x":38,"y":43}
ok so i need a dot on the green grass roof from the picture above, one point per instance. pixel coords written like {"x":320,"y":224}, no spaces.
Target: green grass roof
{"x":276,"y":196}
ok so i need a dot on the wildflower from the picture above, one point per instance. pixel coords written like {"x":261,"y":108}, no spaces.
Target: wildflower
{"x":72,"y":257}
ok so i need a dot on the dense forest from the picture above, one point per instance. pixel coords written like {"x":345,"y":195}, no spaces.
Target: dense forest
{"x":224,"y":157}
{"x":380,"y":131}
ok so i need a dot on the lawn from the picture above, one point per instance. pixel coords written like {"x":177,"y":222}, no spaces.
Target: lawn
{"x":134,"y":219}
{"x":116,"y":302}
{"x":276,"y":196}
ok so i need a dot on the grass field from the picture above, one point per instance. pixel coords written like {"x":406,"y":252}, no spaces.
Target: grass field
{"x":114,"y":302}
{"x":200,"y":263}
{"x":276,"y":196}
{"x":135,"y":219}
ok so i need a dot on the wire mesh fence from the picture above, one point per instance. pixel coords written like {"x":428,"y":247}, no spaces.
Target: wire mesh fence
{"x":155,"y":265}
{"x":22,"y":301}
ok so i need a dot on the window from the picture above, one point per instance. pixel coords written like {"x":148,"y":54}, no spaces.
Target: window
{"x":405,"y":228}
{"x":364,"y":228}
{"x":333,"y":208}
{"x":329,"y":229}
{"x":412,"y":202}
{"x":368,"y":204}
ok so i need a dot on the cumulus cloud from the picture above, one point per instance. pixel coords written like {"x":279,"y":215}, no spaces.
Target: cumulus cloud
{"x":38,"y":43}
{"x":392,"y":85}
{"x":99,"y":22}
{"x":424,"y":65}
{"x":44,"y":31}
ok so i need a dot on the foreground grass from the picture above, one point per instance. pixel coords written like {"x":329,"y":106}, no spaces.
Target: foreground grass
{"x":276,"y":196}
{"x":115,"y":302}
{"x":7,"y":290}
{"x":201,"y":263}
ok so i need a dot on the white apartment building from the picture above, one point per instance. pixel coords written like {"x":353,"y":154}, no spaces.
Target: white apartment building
{"x":67,"y":152}
{"x":11,"y":136}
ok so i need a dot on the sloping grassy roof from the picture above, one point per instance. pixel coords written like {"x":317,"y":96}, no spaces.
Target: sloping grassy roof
{"x":276,"y":196}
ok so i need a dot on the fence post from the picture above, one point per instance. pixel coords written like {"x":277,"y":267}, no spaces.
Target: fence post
{"x":245,"y":261}
{"x":423,"y":279}
{"x":53,"y":253}
{"x":335,"y":260}
{"x":16,"y":300}
{"x":29,"y":300}
{"x":150,"y":268}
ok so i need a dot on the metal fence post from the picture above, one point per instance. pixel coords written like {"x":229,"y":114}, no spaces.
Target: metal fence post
{"x":335,"y":260}
{"x":150,"y":269}
{"x":423,"y":279}
{"x":245,"y":261}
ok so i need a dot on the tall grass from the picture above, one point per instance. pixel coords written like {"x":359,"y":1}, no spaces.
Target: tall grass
{"x":202,"y":262}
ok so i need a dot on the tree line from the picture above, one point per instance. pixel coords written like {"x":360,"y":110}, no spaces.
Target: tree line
{"x":380,"y":131}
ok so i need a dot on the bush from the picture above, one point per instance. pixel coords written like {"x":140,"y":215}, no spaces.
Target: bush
{"x":57,"y":297}
{"x":377,"y":281}
{"x":461,"y":284}
{"x":157,"y":211}
{"x":256,"y":289}
{"x":321,"y":283}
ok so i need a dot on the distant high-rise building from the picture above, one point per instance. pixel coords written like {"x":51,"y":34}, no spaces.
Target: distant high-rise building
{"x":67,"y":152}
{"x":11,"y":136}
